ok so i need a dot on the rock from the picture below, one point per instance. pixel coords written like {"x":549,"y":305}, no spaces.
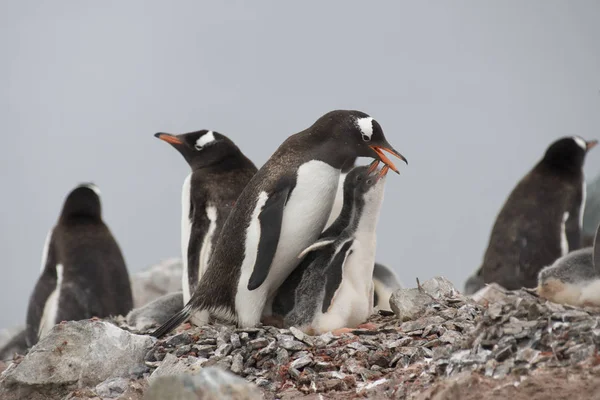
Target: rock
{"x":209,"y":384}
{"x":409,"y":304}
{"x":491,"y":293}
{"x":439,"y":287}
{"x":172,"y":365}
{"x":156,"y":281}
{"x":77,"y":353}
{"x":155,"y":313}
{"x":113,"y":387}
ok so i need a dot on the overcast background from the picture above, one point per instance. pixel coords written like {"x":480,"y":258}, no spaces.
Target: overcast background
{"x":470,"y":92}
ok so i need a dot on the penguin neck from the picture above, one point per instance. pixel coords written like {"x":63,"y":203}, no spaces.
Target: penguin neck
{"x":233,"y":160}
{"x":345,"y":215}
{"x":366,"y":216}
{"x":562,"y":169}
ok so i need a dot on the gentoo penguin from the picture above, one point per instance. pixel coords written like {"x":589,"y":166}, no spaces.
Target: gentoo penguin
{"x":574,"y":278}
{"x":281,"y":212}
{"x":385,"y":283}
{"x":219,"y":173}
{"x":333,"y":288}
{"x":83,"y":270}
{"x":156,"y":312}
{"x":541,"y":219}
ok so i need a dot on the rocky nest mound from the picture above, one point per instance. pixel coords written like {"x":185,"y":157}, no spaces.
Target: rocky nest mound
{"x":438,"y":344}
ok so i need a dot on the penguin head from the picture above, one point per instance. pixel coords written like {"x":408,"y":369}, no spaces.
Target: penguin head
{"x":369,"y":182}
{"x":82,"y":202}
{"x":356,"y":134}
{"x":568,"y":153}
{"x":201,"y":148}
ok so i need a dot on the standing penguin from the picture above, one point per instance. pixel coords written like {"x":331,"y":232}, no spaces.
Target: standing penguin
{"x":541,"y":219}
{"x":333,"y":288}
{"x":220,"y":171}
{"x":83,"y":270}
{"x":281,"y":211}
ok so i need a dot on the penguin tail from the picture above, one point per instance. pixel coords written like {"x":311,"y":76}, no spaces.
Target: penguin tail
{"x":173,"y":322}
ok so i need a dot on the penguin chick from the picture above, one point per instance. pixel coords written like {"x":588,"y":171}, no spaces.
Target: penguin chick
{"x":83,"y":271}
{"x":541,"y":219}
{"x":574,"y":278}
{"x":385,"y":282}
{"x":332,"y":288}
{"x":220,"y":171}
{"x":281,"y":211}
{"x":156,"y":312}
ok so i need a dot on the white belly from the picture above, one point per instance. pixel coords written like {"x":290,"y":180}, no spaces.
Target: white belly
{"x":304,"y":217}
{"x":338,"y":202}
{"x":50,"y":312}
{"x":206,"y":250}
{"x":352,"y":303}
{"x":186,"y":229}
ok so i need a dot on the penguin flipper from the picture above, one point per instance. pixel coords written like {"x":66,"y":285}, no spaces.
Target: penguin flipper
{"x":173,"y":322}
{"x":316,"y":245}
{"x":572,"y":226}
{"x":335,"y":274}
{"x":596,"y":253}
{"x":270,"y":219}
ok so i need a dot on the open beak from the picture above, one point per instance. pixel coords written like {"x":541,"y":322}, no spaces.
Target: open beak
{"x":380,"y":153}
{"x":590,"y":144}
{"x":167,"y":137}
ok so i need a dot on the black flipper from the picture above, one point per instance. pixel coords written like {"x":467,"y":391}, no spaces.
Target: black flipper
{"x":270,"y":219}
{"x":173,"y":322}
{"x":572,"y":227}
{"x":335,"y":274}
{"x":199,"y":230}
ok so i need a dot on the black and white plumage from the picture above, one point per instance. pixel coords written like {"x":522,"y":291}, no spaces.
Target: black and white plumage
{"x":220,"y":171}
{"x":574,"y":278}
{"x":332,"y":288}
{"x":541,"y":219}
{"x":83,"y":271}
{"x":281,"y":211}
{"x":385,"y":283}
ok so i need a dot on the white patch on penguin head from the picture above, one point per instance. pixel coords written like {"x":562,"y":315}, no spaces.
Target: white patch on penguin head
{"x":92,"y":187}
{"x":365,"y":125}
{"x":205,"y":139}
{"x":580,"y":142}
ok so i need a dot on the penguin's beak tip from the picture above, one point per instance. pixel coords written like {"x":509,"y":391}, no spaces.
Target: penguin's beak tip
{"x":167,"y":137}
{"x":590,"y":144}
{"x":379,"y":150}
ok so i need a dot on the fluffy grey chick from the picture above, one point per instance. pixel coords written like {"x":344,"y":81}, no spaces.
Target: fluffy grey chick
{"x":156,"y":312}
{"x":574,"y":278}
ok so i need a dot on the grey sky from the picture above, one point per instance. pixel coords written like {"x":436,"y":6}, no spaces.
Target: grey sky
{"x":470,"y":92}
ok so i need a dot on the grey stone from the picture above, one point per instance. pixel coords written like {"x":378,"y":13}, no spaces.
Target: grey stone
{"x":210,"y":383}
{"x":237,"y":364}
{"x":112,"y":387}
{"x":409,"y":304}
{"x":172,"y":365}
{"x":491,"y":293}
{"x":439,"y":287}
{"x":80,"y":352}
{"x":301,"y":362}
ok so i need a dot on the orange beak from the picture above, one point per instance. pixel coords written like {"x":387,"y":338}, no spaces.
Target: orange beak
{"x":590,"y":144}
{"x":380,"y":153}
{"x":167,"y":137}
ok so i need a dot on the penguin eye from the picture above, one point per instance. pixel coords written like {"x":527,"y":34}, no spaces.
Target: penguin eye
{"x":366,"y":138}
{"x":369,"y":181}
{"x":198,"y":147}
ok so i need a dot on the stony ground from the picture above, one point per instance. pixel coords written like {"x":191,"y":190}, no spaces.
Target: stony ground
{"x":497,"y":345}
